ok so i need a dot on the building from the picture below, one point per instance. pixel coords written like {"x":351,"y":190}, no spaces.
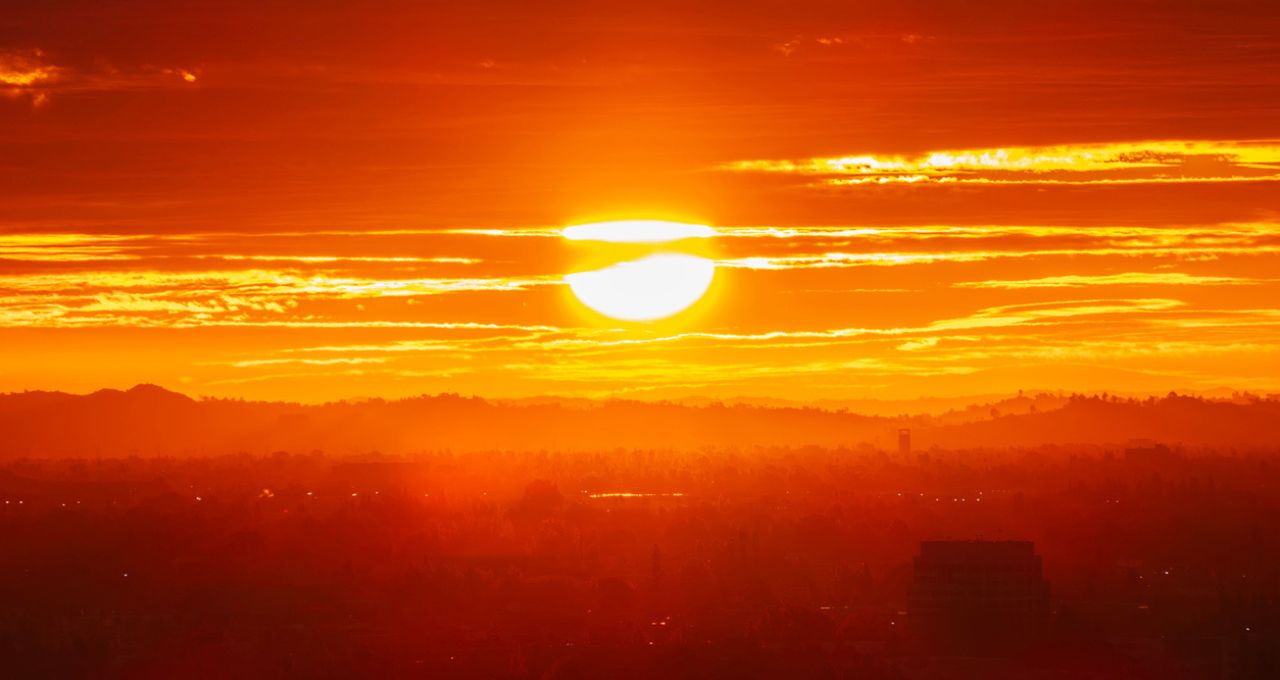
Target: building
{"x":978,"y":598}
{"x":904,"y":441}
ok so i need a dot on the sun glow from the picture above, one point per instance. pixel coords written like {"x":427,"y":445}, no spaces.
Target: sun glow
{"x":646,"y":289}
{"x":637,"y":231}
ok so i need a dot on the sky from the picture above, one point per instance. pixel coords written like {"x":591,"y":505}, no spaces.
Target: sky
{"x":319,"y":200}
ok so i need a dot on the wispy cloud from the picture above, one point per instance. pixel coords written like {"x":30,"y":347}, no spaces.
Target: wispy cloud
{"x":1125,"y":279}
{"x":1113,"y":163}
{"x":837,"y":260}
{"x":816,"y":247}
{"x":324,"y":259}
{"x":33,"y":75}
{"x":922,"y":343}
{"x":267,"y":297}
{"x":349,"y":361}
{"x":1054,"y":311}
{"x":25,"y":73}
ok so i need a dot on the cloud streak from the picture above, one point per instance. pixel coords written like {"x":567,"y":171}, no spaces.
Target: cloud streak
{"x":1125,"y":279}
{"x":265,"y":297}
{"x":32,"y":75}
{"x":1111,"y":163}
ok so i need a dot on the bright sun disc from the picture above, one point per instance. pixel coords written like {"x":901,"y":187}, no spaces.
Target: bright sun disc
{"x":646,"y":289}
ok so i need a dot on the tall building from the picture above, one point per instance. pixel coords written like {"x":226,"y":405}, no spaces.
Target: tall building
{"x":977,"y":597}
{"x":904,"y":441}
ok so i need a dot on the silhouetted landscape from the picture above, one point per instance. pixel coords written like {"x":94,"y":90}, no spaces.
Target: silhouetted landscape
{"x":148,"y":420}
{"x":150,"y":535}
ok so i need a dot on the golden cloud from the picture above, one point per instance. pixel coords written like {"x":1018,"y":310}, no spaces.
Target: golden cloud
{"x":1125,"y":279}
{"x":1110,"y":163}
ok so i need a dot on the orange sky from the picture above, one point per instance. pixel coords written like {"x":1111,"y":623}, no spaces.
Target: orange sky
{"x":294,"y":200}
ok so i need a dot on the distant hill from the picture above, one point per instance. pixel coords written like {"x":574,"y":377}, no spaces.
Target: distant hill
{"x":1174,"y":419}
{"x":149,"y":420}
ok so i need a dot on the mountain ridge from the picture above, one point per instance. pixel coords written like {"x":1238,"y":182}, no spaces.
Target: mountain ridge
{"x":151,"y":420}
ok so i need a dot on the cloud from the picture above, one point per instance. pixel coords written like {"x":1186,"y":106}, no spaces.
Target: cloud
{"x":1054,"y":311}
{"x":26,"y":74}
{"x":32,"y":75}
{"x":208,"y":298}
{"x":922,"y":343}
{"x":868,"y":42}
{"x":922,"y":245}
{"x":1126,"y":279}
{"x":26,"y":68}
{"x":1110,"y":163}
{"x":838,"y":260}
{"x":351,"y":361}
{"x":324,"y":259}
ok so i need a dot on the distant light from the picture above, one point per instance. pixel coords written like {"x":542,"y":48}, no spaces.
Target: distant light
{"x":636,"y":231}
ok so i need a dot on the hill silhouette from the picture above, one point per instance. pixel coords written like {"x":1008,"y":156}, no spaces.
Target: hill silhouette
{"x":149,"y":420}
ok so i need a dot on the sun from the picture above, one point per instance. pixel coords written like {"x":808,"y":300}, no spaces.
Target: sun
{"x":648,"y":288}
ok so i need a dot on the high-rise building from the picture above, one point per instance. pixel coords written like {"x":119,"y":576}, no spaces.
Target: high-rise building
{"x":904,"y":441}
{"x":977,"y":597}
